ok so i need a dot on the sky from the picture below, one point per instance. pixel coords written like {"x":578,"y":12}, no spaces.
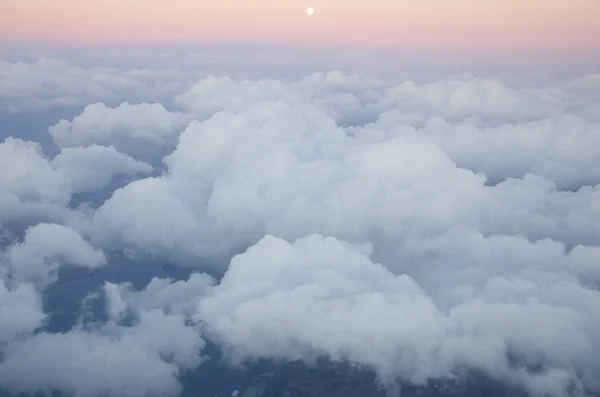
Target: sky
{"x":434,"y":24}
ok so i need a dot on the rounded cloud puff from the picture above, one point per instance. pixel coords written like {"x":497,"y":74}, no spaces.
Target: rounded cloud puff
{"x":113,"y":360}
{"x":20,"y":311}
{"x":142,"y":129}
{"x":93,"y":167}
{"x":35,"y":188}
{"x":45,"y":248}
{"x":321,"y":296}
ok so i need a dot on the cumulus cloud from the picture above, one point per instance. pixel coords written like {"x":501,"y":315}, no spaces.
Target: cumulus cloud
{"x":147,"y":343}
{"x":28,"y":173}
{"x":214,"y":94}
{"x":93,"y":167}
{"x":148,"y":129}
{"x":30,"y":187}
{"x":289,"y":170}
{"x":45,"y":248}
{"x":359,"y":99}
{"x":321,"y":296}
{"x":175,"y":297}
{"x":141,"y":360}
{"x":558,"y":148}
{"x":272,"y":161}
{"x":36,"y":188}
{"x":461,"y":99}
{"x":48,"y":82}
{"x":421,"y":229}
{"x":20,"y":311}
{"x":21,"y":83}
{"x":248,"y":145}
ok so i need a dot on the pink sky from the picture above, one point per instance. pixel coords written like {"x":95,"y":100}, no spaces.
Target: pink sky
{"x":501,"y":24}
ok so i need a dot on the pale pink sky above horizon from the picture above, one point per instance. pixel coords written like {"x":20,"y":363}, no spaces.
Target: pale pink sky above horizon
{"x":490,"y":24}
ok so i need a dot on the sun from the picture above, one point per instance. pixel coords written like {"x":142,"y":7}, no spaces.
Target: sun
{"x":309,"y":11}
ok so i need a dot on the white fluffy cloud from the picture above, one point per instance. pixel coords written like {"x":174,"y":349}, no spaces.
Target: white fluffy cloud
{"x":93,"y":167}
{"x":287,"y":169}
{"x":462,"y":257}
{"x":36,"y":188}
{"x":559,"y":148}
{"x":322,"y":296}
{"x":30,"y":188}
{"x":136,"y":129}
{"x":142,"y":360}
{"x":175,"y":297}
{"x":45,"y":248}
{"x":142,"y":350}
{"x":28,"y":174}
{"x":418,"y":228}
{"x":462,"y":99}
{"x":20,"y":311}
{"x":48,"y":82}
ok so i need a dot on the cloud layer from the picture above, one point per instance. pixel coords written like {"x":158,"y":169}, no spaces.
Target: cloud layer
{"x":423,"y":230}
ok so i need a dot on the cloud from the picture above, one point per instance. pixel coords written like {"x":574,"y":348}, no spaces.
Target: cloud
{"x":458,"y":100}
{"x":464,"y":251}
{"x":319,"y":295}
{"x":288,"y":170}
{"x":48,"y":82}
{"x":421,"y":229}
{"x":20,"y":311}
{"x":558,"y":148}
{"x":214,"y":94}
{"x":252,"y":146}
{"x":45,"y":248}
{"x":21,"y":83}
{"x":135,"y":129}
{"x":147,"y":343}
{"x":142,"y":360}
{"x":581,"y":95}
{"x":36,"y":188}
{"x":31,"y":188}
{"x":93,"y":167}
{"x":175,"y":297}
{"x":340,"y":95}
